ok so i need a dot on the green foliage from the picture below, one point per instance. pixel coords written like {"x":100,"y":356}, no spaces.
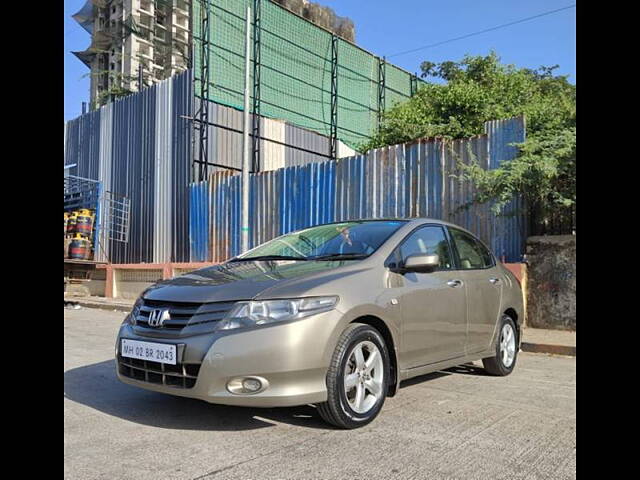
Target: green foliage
{"x":544,"y":172}
{"x":116,"y":90}
{"x":478,"y":89}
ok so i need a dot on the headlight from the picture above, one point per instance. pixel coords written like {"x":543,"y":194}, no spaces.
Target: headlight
{"x":131,"y":318}
{"x":253,"y":313}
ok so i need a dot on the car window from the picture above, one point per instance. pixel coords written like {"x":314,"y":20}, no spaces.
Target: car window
{"x":471,"y":252}
{"x":346,"y":238}
{"x":427,"y":241}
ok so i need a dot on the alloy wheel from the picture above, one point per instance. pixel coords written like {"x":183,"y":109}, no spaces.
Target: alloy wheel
{"x":363,"y":377}
{"x":507,"y":345}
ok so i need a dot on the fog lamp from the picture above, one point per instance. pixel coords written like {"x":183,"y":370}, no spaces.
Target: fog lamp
{"x":251,"y":384}
{"x":247,"y":385}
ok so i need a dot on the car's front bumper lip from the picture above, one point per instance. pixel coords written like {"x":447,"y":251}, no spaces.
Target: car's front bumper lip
{"x":293,"y":357}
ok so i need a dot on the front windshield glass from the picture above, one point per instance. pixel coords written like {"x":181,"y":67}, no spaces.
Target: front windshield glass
{"x":340,"y":240}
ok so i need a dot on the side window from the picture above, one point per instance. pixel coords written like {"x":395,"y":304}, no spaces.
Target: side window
{"x":472,"y":253}
{"x":427,"y":241}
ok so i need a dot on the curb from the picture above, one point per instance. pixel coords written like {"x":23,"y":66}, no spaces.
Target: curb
{"x":120,"y":307}
{"x":547,"y":348}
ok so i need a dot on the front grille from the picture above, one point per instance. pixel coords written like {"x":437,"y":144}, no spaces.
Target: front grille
{"x":178,"y":376}
{"x":182,"y":313}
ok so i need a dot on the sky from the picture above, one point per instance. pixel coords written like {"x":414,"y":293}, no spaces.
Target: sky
{"x":388,"y":27}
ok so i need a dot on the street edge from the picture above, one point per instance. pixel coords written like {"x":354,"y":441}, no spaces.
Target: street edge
{"x":565,"y":350}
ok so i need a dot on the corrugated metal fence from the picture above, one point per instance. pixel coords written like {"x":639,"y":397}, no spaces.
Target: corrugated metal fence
{"x":141,"y":147}
{"x":408,"y":180}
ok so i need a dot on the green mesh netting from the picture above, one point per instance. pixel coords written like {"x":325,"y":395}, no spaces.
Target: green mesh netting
{"x":397,"y":85}
{"x":295,"y":71}
{"x":357,"y":93}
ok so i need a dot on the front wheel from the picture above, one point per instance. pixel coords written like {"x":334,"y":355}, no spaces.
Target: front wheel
{"x":357,"y":378}
{"x":506,"y":349}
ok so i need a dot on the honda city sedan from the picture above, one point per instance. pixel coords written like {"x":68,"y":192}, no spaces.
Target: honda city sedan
{"x":335,"y":315}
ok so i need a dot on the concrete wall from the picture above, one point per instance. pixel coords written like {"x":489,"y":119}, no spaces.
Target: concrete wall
{"x":551,"y":282}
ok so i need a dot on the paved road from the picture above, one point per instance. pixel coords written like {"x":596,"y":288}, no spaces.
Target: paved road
{"x":455,"y":424}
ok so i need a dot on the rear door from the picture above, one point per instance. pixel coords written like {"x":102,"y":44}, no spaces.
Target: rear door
{"x":433,"y":307}
{"x":483,"y":282}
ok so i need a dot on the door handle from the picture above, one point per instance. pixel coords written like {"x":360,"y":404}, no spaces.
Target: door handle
{"x":454,"y":283}
{"x":494,"y":280}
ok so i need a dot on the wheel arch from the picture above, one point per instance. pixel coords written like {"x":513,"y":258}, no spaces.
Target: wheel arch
{"x":511,"y":312}
{"x":381,"y":326}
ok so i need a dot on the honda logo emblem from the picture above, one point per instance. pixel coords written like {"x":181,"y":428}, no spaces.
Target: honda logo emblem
{"x":158,"y":317}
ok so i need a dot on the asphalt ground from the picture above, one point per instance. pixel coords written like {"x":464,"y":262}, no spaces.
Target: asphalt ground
{"x":454,"y":424}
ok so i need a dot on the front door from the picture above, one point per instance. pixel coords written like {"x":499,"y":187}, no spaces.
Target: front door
{"x":433,"y":306}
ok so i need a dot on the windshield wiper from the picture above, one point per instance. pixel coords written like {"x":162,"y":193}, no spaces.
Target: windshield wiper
{"x":267,"y":257}
{"x":340,"y":256}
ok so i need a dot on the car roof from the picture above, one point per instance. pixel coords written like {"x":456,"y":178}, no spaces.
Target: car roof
{"x":409,"y":220}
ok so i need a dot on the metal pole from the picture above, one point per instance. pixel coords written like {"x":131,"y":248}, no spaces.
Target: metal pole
{"x":245,"y":150}
{"x":140,"y":77}
{"x":255,"y":158}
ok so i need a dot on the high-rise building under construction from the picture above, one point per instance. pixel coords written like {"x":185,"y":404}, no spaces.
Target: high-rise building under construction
{"x":134,"y":43}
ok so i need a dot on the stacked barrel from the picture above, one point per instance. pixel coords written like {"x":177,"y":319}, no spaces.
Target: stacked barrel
{"x":78,"y":230}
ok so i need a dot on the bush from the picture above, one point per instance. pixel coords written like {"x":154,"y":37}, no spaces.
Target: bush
{"x":478,"y":89}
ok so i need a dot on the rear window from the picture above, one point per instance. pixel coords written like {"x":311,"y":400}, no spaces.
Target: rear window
{"x":471,"y":253}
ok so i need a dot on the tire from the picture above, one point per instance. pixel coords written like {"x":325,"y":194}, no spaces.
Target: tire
{"x":341,"y":408}
{"x":503,"y":363}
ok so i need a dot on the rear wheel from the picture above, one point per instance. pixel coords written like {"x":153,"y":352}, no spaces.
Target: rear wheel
{"x":506,"y":349}
{"x":357,"y":378}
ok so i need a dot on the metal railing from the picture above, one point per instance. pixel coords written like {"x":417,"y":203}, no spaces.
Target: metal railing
{"x":115,"y":215}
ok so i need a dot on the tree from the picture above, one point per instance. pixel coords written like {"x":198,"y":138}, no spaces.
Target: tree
{"x":478,"y":89}
{"x":543,"y":172}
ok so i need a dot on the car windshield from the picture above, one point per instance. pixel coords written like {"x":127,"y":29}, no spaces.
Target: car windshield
{"x":348,"y":240}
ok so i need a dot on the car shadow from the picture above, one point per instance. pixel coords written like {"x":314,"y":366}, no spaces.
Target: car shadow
{"x":468,"y":369}
{"x":464,"y":369}
{"x":98,"y":387}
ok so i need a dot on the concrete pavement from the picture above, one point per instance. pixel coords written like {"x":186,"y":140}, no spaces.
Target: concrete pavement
{"x":457,"y":423}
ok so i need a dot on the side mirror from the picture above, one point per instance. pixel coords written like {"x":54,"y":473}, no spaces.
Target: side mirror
{"x":421,"y":263}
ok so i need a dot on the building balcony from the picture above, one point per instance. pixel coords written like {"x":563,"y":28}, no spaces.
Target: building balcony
{"x":180,"y":26}
{"x":146,"y":54}
{"x":180,"y":36}
{"x":147,"y":7}
{"x":182,"y":6}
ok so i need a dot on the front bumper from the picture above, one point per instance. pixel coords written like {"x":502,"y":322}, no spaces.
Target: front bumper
{"x":293,"y":358}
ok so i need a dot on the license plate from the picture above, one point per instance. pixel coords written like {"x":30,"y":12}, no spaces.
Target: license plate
{"x":155,"y":352}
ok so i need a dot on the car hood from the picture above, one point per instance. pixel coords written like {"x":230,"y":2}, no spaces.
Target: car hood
{"x":242,"y":280}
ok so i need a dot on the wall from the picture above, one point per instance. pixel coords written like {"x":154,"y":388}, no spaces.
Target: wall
{"x":409,"y":180}
{"x":142,"y":147}
{"x":226,"y":143}
{"x":551,"y":282}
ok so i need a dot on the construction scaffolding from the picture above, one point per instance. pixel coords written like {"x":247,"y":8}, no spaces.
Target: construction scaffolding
{"x":301,"y":73}
{"x":134,"y":44}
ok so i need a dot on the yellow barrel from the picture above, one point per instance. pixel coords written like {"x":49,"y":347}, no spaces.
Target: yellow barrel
{"x":84,"y":222}
{"x":80,"y":247}
{"x":71,"y":223}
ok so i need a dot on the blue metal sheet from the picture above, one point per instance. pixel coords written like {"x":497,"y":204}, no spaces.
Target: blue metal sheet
{"x":409,"y":180}
{"x":199,"y":221}
{"x":118,"y":145}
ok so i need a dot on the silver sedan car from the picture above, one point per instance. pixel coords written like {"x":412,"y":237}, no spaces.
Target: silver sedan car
{"x":335,"y":315}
